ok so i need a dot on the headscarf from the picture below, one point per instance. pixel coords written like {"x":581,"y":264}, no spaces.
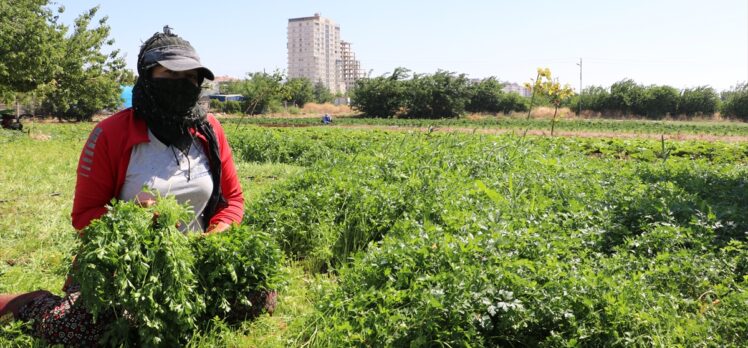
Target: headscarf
{"x":170,"y":108}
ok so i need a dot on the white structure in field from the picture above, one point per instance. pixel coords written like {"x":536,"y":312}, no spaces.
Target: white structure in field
{"x":316,"y":52}
{"x":517,"y":88}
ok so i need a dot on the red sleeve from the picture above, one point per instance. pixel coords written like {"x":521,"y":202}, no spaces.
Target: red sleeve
{"x":95,"y":183}
{"x":233,"y":211}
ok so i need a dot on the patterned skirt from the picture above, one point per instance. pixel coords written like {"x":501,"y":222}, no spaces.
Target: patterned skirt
{"x":63,"y":320}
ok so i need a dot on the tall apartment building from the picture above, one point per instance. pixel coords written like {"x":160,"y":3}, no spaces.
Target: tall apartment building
{"x":316,"y":52}
{"x":350,"y":68}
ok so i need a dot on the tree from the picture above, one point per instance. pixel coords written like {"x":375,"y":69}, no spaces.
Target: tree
{"x":263,"y":92}
{"x":511,"y":102}
{"x":735,"y":102}
{"x":659,"y":101}
{"x":485,"y":96}
{"x":546,"y":86}
{"x":702,"y":100}
{"x":596,"y":98}
{"x":383,"y":96}
{"x":299,"y":91}
{"x":321,"y":93}
{"x":627,"y":97}
{"x":31,"y":45}
{"x":443,"y":94}
{"x":88,"y":79}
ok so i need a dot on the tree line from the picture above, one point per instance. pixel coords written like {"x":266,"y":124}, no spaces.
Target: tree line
{"x":271,"y":92}
{"x":446,"y":94}
{"x":442,"y":94}
{"x":62,"y":70}
{"x":626,"y":97}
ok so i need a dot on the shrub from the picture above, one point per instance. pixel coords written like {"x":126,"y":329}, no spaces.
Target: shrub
{"x":659,"y":101}
{"x":513,"y":102}
{"x":485,"y":96}
{"x":381,"y":96}
{"x":235,"y":270}
{"x":701,"y":100}
{"x":736,"y":102}
{"x":595,"y":98}
{"x":443,"y":94}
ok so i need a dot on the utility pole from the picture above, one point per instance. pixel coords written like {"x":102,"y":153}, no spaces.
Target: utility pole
{"x":579,"y":112}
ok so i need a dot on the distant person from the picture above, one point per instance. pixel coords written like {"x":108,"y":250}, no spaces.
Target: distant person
{"x":326,"y":119}
{"x":165,"y":142}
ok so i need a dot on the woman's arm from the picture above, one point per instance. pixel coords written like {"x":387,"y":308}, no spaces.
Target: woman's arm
{"x":95,"y":183}
{"x":233,"y":210}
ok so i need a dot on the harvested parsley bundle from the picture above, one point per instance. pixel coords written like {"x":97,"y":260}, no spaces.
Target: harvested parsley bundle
{"x":135,"y":265}
{"x":236,"y":270}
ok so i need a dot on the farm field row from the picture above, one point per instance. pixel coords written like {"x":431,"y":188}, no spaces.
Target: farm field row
{"x":423,"y":239}
{"x":608,"y":126}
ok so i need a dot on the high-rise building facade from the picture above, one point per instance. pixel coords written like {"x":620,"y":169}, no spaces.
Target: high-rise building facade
{"x":315,"y":51}
{"x":350,"y":68}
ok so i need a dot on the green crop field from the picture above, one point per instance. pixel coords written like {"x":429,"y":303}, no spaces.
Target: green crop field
{"x":415,"y":238}
{"x":519,"y":124}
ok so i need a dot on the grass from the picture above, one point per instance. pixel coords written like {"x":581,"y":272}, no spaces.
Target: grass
{"x":36,"y":198}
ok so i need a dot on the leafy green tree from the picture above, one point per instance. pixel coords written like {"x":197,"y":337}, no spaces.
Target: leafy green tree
{"x":660,"y":101}
{"x":627,"y":97}
{"x":89,"y":80}
{"x":702,"y":100}
{"x":485,"y":96}
{"x":513,"y":102}
{"x":546,"y":86}
{"x":595,"y":98}
{"x":299,"y":91}
{"x":322,"y":94}
{"x":263,"y":92}
{"x":31,"y":45}
{"x":383,"y":96}
{"x":735,"y":102}
{"x":443,"y":94}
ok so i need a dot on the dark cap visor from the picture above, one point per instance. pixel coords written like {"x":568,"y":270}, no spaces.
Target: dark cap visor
{"x":177,"y":58}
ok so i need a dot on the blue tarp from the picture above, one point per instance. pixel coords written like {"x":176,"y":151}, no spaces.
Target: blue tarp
{"x":127,"y":96}
{"x":227,"y":97}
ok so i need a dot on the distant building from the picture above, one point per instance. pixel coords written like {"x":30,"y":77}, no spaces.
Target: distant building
{"x":350,"y":68}
{"x":316,"y":52}
{"x":517,"y":88}
{"x":508,"y":87}
{"x":214,"y":87}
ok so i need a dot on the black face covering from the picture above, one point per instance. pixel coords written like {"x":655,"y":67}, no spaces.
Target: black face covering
{"x":169,"y":107}
{"x":175,"y":96}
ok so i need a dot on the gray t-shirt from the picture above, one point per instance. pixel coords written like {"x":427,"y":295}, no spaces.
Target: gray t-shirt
{"x":168,"y":171}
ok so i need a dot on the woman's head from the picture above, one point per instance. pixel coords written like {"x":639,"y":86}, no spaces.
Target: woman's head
{"x":168,"y":88}
{"x":172,"y":53}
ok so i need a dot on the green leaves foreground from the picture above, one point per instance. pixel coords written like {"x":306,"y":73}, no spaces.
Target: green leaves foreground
{"x":158,"y":285}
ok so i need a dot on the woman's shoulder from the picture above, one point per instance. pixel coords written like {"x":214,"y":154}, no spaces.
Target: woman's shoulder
{"x":118,"y":121}
{"x":124,"y":126}
{"x":213,"y":121}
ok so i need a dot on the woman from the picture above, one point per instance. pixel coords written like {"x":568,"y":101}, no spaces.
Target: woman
{"x":165,"y":142}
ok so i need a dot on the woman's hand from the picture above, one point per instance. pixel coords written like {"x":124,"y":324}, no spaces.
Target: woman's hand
{"x":145,"y":199}
{"x":217,"y":228}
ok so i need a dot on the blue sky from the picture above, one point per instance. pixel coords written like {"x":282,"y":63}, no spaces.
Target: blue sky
{"x":678,"y":43}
